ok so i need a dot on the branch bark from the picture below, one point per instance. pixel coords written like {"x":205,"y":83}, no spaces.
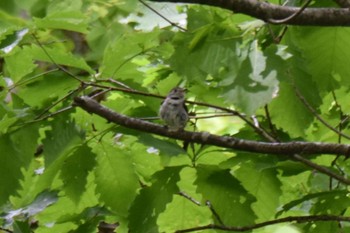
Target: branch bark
{"x":289,"y":148}
{"x":270,"y":12}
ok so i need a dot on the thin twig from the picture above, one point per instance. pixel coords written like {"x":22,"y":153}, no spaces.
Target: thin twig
{"x":342,"y":116}
{"x":54,"y":62}
{"x":163,"y":17}
{"x":126,"y":61}
{"x":211,"y":116}
{"x":111,"y":80}
{"x":22,"y":82}
{"x":207,"y":203}
{"x":271,"y":126}
{"x":290,"y":18}
{"x":281,"y":35}
{"x":216,"y":215}
{"x":188,"y":197}
{"x":321,"y":169}
{"x":50,"y":115}
{"x":57,"y":102}
{"x":313,"y":111}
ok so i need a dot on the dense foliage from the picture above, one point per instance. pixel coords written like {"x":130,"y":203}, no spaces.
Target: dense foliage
{"x":65,"y":170}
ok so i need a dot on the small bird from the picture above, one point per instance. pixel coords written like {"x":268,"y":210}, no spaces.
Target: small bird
{"x":173,"y":110}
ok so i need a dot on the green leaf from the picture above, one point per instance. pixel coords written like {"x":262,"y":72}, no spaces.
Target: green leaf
{"x":58,"y":217}
{"x":146,"y":161}
{"x":322,"y":199}
{"x":63,"y":6}
{"x":59,"y":56}
{"x":88,"y":226}
{"x":182,"y":213}
{"x":326,"y":51}
{"x":75,"y":171}
{"x":17,"y":150}
{"x":20,"y":64}
{"x":168,"y":148}
{"x":322,"y":227}
{"x":153,"y":200}
{"x":246,"y":78}
{"x":224,"y":62}
{"x":67,"y":20}
{"x":229,"y":199}
{"x":118,"y":61}
{"x":27,"y":192}
{"x":61,"y":140}
{"x":332,"y":203}
{"x":288,"y":104}
{"x":116,"y":181}
{"x":21,"y":227}
{"x":127,"y":6}
{"x":200,"y":36}
{"x":251,"y":89}
{"x":44,"y":91}
{"x":65,"y":215}
{"x":259,"y":177}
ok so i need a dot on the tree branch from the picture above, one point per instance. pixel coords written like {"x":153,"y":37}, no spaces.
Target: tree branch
{"x":270,"y":12}
{"x":260,"y":131}
{"x":298,"y":219}
{"x":289,"y":148}
{"x":322,"y":169}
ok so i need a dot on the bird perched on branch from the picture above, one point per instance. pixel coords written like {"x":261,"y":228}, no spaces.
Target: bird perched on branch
{"x":173,"y":110}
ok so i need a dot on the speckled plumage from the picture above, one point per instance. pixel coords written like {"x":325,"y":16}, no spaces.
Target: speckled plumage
{"x":173,"y":110}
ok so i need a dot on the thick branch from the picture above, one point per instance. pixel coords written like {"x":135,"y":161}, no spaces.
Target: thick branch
{"x":206,"y":138}
{"x":271,"y":12}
